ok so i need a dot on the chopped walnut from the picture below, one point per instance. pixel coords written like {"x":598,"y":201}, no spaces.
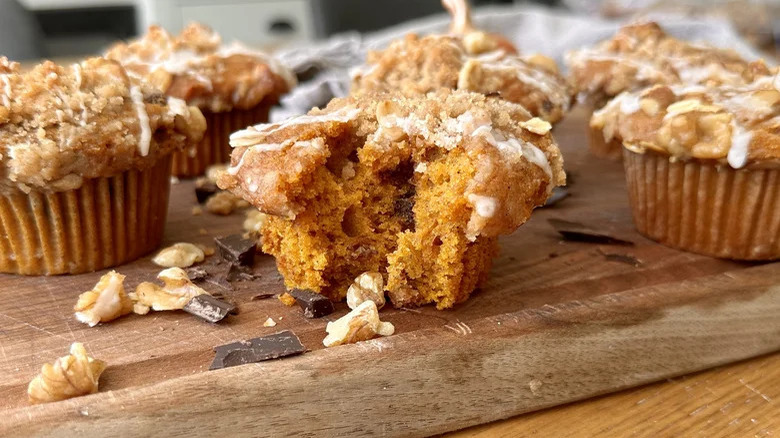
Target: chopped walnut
{"x":179,"y":255}
{"x":70,"y":376}
{"x":368,"y":286}
{"x":269,"y":322}
{"x":225,"y":203}
{"x":537,"y":126}
{"x":213,"y":172}
{"x":173,"y":295}
{"x":107,"y":301}
{"x":360,"y":324}
{"x":287,"y":299}
{"x":255,"y":219}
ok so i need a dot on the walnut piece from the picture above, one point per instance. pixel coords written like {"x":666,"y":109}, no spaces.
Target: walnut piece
{"x":179,"y":255}
{"x":70,"y":376}
{"x":537,"y":126}
{"x":255,"y":219}
{"x":213,"y":172}
{"x":173,"y":295}
{"x":361,"y":324}
{"x":269,"y":322}
{"x":225,"y":203}
{"x":107,"y":301}
{"x":368,"y":286}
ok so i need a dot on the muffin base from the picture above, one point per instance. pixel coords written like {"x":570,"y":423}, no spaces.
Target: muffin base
{"x":215,"y":146}
{"x":104,"y":223}
{"x":705,"y":208}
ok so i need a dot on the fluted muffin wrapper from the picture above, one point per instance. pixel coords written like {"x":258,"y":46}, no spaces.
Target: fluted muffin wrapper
{"x":706,"y":208}
{"x":215,"y":146}
{"x":106,"y":222}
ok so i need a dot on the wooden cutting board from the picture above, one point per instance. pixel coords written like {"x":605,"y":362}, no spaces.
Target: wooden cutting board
{"x":558,"y":321}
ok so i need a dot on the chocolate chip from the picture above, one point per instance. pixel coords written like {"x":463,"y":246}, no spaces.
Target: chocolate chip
{"x":578,"y":232}
{"x":209,"y":308}
{"x":257,"y":350}
{"x":558,"y":194}
{"x":313,"y":304}
{"x":236,"y":249}
{"x":403,"y":208}
{"x":197,"y":274}
{"x":204,"y":191}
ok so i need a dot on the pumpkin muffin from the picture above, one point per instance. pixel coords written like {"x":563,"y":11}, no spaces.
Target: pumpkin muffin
{"x":417,"y":188}
{"x":642,"y":55}
{"x":466,"y":59}
{"x":84,"y":165}
{"x":703,"y":165}
{"x":233,"y":85}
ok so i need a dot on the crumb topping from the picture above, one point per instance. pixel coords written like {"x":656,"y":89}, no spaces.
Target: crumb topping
{"x":738,"y":125}
{"x":197,"y":67}
{"x":416,"y":65}
{"x":643,"y":54}
{"x":59,"y":125}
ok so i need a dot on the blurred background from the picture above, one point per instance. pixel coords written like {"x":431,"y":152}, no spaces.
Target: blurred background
{"x":31,"y":29}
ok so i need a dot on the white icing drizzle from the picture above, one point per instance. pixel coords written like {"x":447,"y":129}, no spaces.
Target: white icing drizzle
{"x":317,"y":143}
{"x":740,"y":140}
{"x":236,"y":48}
{"x":484,"y":206}
{"x":250,"y":136}
{"x":629,"y":103}
{"x":178,"y":106}
{"x":145,"y":136}
{"x":530,"y":152}
{"x":6,"y":90}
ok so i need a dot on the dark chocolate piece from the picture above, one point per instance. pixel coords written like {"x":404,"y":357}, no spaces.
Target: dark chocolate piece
{"x":209,"y":308}
{"x":577,"y":232}
{"x":205,"y":190}
{"x":197,"y":274}
{"x":558,"y":195}
{"x":236,"y":249}
{"x":234,"y":272}
{"x":313,"y":304}
{"x":257,"y":350}
{"x":262,"y":296}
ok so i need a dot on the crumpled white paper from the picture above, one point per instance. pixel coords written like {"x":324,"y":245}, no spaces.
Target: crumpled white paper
{"x":532,"y":29}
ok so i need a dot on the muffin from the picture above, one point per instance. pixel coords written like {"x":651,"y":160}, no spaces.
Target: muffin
{"x":642,"y":55}
{"x":466,"y":59}
{"x":702,"y":165}
{"x":233,"y":85}
{"x":85,"y":159}
{"x":416,"y":188}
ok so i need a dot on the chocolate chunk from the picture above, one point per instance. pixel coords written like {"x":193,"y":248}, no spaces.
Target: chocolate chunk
{"x":577,"y":232}
{"x":209,"y":308}
{"x":313,"y":304}
{"x":236,"y":249}
{"x":235,"y":271}
{"x":558,"y":194}
{"x":197,"y":274}
{"x":205,"y":190}
{"x":404,"y":209}
{"x":257,"y":350}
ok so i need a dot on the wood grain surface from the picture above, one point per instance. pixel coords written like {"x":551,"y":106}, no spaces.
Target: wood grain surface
{"x":558,"y":322}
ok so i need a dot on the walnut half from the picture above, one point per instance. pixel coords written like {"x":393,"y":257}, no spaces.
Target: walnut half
{"x":368,"y":286}
{"x":179,"y":255}
{"x":107,"y":301}
{"x":361,"y":324}
{"x":70,"y":376}
{"x":173,"y":295}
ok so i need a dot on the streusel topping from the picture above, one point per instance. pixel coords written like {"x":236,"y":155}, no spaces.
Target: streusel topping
{"x":416,"y":65}
{"x":271,"y":162}
{"x":61,"y":124}
{"x":643,"y":54}
{"x":197,"y":67}
{"x":738,"y":125}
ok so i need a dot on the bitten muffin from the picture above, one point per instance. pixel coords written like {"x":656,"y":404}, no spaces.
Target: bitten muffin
{"x":703,"y":165}
{"x":466,"y":59}
{"x":642,"y":55}
{"x":233,"y":85}
{"x":418,"y":189}
{"x":84,"y":165}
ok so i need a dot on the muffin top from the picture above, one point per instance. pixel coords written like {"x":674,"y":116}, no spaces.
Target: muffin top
{"x":59,"y":125}
{"x":416,"y":65}
{"x":641,"y":55}
{"x":738,"y":125}
{"x":515,"y":159}
{"x":195,"y":66}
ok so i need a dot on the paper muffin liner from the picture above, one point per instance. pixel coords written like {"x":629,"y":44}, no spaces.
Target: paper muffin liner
{"x":599,"y":147}
{"x":106,"y":222}
{"x":705,"y":208}
{"x":215,"y":146}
